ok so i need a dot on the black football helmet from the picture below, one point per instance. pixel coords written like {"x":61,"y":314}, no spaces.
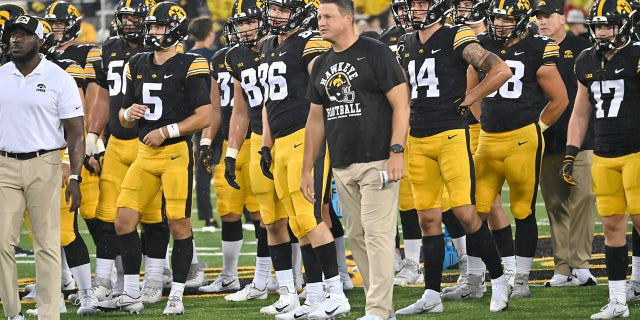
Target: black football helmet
{"x":437,"y":12}
{"x":517,"y":10}
{"x":611,"y":13}
{"x":8,"y":13}
{"x":173,"y":17}
{"x":400,"y":12}
{"x":243,"y":11}
{"x":49,"y":43}
{"x":476,"y":14}
{"x":295,"y":20}
{"x":139,"y":8}
{"x":62,"y":11}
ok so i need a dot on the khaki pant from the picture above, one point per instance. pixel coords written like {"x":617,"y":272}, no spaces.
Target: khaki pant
{"x":32,"y":185}
{"x":570,"y":211}
{"x":371,"y":218}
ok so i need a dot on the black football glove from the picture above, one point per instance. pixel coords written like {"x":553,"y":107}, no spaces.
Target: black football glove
{"x":206,"y":157}
{"x":265,"y":161}
{"x":567,"y":165}
{"x":230,"y":172}
{"x":461,"y":110}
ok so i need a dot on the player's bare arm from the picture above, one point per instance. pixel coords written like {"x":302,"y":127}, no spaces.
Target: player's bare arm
{"x":313,"y":142}
{"x":214,"y":123}
{"x":579,"y":122}
{"x":498,"y":72}
{"x":239,"y":123}
{"x":129,"y":116}
{"x":473,"y":79}
{"x":267,"y":138}
{"x":552,"y":85}
{"x":100,"y":112}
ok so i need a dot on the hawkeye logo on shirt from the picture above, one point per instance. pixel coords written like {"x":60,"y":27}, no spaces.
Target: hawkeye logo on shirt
{"x":337,"y":84}
{"x":41,"y":88}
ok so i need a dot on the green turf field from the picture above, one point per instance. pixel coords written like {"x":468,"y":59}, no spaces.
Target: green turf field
{"x":546,"y":303}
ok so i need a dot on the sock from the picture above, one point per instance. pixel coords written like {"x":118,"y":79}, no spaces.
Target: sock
{"x":617,"y":261}
{"x":118,"y":286}
{"x":285,"y":279}
{"x":230,"y":254}
{"x":194,"y":258}
{"x":177,"y":289}
{"x":481,"y":245}
{"x":166,"y":258}
{"x":132,"y":285}
{"x":341,"y":255}
{"x":635,"y":259}
{"x":617,"y":290}
{"x":333,"y":284}
{"x":635,"y":268}
{"x":262,"y":247}
{"x":76,"y":252}
{"x":504,"y":241}
{"x":412,"y":249}
{"x":130,"y":247}
{"x":314,"y":292}
{"x":262,"y":272}
{"x":433,"y":250}
{"x":509,"y":264}
{"x":63,"y":262}
{"x":523,"y":264}
{"x":82,"y":275}
{"x":153,"y":268}
{"x":296,"y":258}
{"x":526,"y":236}
{"x":312,"y":266}
{"x":475,"y":265}
{"x":326,"y":255}
{"x":181,"y":259}
{"x":397,"y":238}
{"x":461,"y":245}
{"x":455,"y":229}
{"x":281,"y":259}
{"x":104,"y":267}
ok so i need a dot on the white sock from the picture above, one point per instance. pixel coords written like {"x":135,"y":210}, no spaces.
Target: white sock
{"x":104,"y":267}
{"x":82,"y":275}
{"x":132,"y":285}
{"x":617,"y":290}
{"x":262,"y":272}
{"x":509,"y":264}
{"x":523,"y":264}
{"x":459,"y":243}
{"x":118,"y":286}
{"x":475,"y":265}
{"x":167,"y":257}
{"x":333,"y":285}
{"x":635,"y":268}
{"x":64,"y":264}
{"x":501,"y":280}
{"x":341,"y":255}
{"x":285,"y":279}
{"x":153,"y":268}
{"x":177,"y":289}
{"x":314,"y":292}
{"x":296,"y":258}
{"x":194,"y":259}
{"x":230,"y":254}
{"x":412,"y":249}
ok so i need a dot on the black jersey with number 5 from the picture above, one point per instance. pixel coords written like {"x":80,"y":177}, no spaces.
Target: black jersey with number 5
{"x":171,"y":91}
{"x":614,"y":93}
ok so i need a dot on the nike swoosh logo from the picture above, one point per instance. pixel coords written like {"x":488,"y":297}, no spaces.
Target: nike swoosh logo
{"x":298,"y":316}
{"x":636,"y":293}
{"x":282,"y":308}
{"x":361,"y":58}
{"x":297,"y":145}
{"x":167,"y":76}
{"x":435,"y":51}
{"x":618,"y":70}
{"x":451,"y":137}
{"x":617,"y":313}
{"x":226,"y":284}
{"x":521,"y":143}
{"x":282,"y":53}
{"x":464,"y":296}
{"x":176,"y":157}
{"x":78,"y":107}
{"x":518,"y":53}
{"x":330,"y":312}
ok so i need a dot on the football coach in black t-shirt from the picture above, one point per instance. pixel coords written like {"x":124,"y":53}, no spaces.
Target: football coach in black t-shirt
{"x":359,"y":99}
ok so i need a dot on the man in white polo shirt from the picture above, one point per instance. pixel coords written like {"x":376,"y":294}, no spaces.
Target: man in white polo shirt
{"x":39,"y":102}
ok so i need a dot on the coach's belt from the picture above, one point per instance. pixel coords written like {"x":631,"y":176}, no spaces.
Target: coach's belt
{"x":26,"y":155}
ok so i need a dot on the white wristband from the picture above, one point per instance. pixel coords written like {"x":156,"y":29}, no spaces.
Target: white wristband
{"x":162,"y":133}
{"x":92,"y":137}
{"x":205,"y":142}
{"x":232,"y":152}
{"x":126,"y":115}
{"x":543,"y":127}
{"x":174,"y":132}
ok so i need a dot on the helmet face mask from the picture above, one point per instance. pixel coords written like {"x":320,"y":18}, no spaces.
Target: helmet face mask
{"x":65,"y":21}
{"x":508,"y":21}
{"x":400,"y":11}
{"x":283,"y":16}
{"x":174,"y":20}
{"x":610,"y":24}
{"x":129,"y":17}
{"x":425,"y":13}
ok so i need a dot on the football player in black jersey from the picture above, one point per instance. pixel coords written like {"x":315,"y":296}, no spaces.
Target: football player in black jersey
{"x":285,"y":62}
{"x":435,"y":59}
{"x":8,"y":12}
{"x":608,"y":88}
{"x":167,"y":98}
{"x":513,"y":118}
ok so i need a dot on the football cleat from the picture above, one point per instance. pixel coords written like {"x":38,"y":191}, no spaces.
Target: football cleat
{"x":63,"y":308}
{"x":471,"y":289}
{"x":174,"y":306}
{"x":398,"y":263}
{"x":88,"y":301}
{"x":633,"y":291}
{"x":167,"y":278}
{"x":500,"y":292}
{"x":249,"y":292}
{"x":102,"y":288}
{"x":222,"y":283}
{"x":31,"y":296}
{"x":521,"y":286}
{"x":287,"y":302}
{"x":195,"y":277}
{"x":123,"y":302}
{"x":334,"y":306}
{"x":613,"y":309}
{"x":151,"y":291}
{"x":409,"y":274}
{"x":583,"y":277}
{"x":30,"y":287}
{"x":430,"y":302}
{"x":68,"y":283}
{"x":18,"y":316}
{"x":559,"y":280}
{"x":301,"y":312}
{"x":272,"y":284}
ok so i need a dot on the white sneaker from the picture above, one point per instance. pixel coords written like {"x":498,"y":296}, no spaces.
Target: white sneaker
{"x":398,"y":263}
{"x":152,"y":291}
{"x":249,"y":292}
{"x":31,"y":296}
{"x":430,"y":302}
{"x":409,"y":274}
{"x":30,"y":287}
{"x":584,"y":277}
{"x":299,"y":313}
{"x":287,"y":302}
{"x":195,"y":277}
{"x":613,"y":309}
{"x":18,"y":316}
{"x":174,"y":306}
{"x":167,"y":278}
{"x":63,"y":308}
{"x":101,"y":288}
{"x":347,"y":284}
{"x":123,"y":302}
{"x":370,"y":316}
{"x":471,"y":289}
{"x":334,"y":306}
{"x":521,"y":286}
{"x":633,"y":291}
{"x":222,"y":283}
{"x":272,"y":284}
{"x":88,"y":301}
{"x":560,"y":280}
{"x":500,"y":292}
{"x":68,"y":283}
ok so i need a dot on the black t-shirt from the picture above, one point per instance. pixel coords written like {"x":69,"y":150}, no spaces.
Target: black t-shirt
{"x":172,"y":91}
{"x":555,"y":138}
{"x":242,"y":63}
{"x":351,"y":86}
{"x":614,"y":93}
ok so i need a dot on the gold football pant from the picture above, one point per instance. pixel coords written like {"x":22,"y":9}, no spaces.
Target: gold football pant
{"x":228,"y":199}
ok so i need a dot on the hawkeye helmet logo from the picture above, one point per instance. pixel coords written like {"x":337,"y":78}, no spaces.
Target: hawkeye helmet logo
{"x":41,"y":88}
{"x":338,"y":88}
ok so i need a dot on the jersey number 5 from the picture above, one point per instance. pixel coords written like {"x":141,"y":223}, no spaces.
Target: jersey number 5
{"x":153,"y":102}
{"x":115,"y":74}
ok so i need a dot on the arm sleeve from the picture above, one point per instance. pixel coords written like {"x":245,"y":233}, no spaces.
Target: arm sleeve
{"x":386,"y":68}
{"x":68,"y":102}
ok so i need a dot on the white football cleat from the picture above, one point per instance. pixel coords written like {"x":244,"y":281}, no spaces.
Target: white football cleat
{"x":195,"y":277}
{"x":521,"y":286}
{"x":347,"y":284}
{"x":409,"y":274}
{"x":430,"y":302}
{"x":287,"y":302}
{"x":102,"y":288}
{"x":249,"y":292}
{"x":471,"y":289}
{"x":299,"y":313}
{"x":151,"y":291}
{"x":334,"y":306}
{"x":560,"y":280}
{"x":174,"y":306}
{"x":123,"y":302}
{"x":500,"y":293}
{"x":633,"y":291}
{"x":88,"y":302}
{"x":613,"y":309}
{"x":222,"y":283}
{"x":584,"y":277}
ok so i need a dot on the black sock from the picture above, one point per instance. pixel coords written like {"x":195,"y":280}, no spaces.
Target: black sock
{"x":617,"y":259}
{"x":504,"y":241}
{"x":312,"y":267}
{"x":410,"y":225}
{"x":337,"y":230}
{"x":107,"y":245}
{"x":481,"y":245}
{"x":181,"y":259}
{"x":281,"y":256}
{"x":526,"y":236}
{"x":455,"y":229}
{"x":131,"y":251}
{"x":635,"y":242}
{"x":326,"y":254}
{"x":93,"y":225}
{"x":76,"y":252}
{"x":262,"y":247}
{"x":155,"y":240}
{"x":397,"y":238}
{"x":433,"y":252}
{"x":232,"y":231}
{"x":143,"y":242}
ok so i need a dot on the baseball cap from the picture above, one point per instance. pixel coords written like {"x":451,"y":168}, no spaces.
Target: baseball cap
{"x":31,"y":24}
{"x":549,"y":7}
{"x":575,"y":16}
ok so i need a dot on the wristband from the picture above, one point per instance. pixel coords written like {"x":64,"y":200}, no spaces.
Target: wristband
{"x":571,"y":151}
{"x":174,"y":132}
{"x":205,"y":142}
{"x":92,"y":137}
{"x":543,"y":127}
{"x":126,"y":117}
{"x":162,"y":133}
{"x":232,"y":152}
{"x":75,"y":177}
